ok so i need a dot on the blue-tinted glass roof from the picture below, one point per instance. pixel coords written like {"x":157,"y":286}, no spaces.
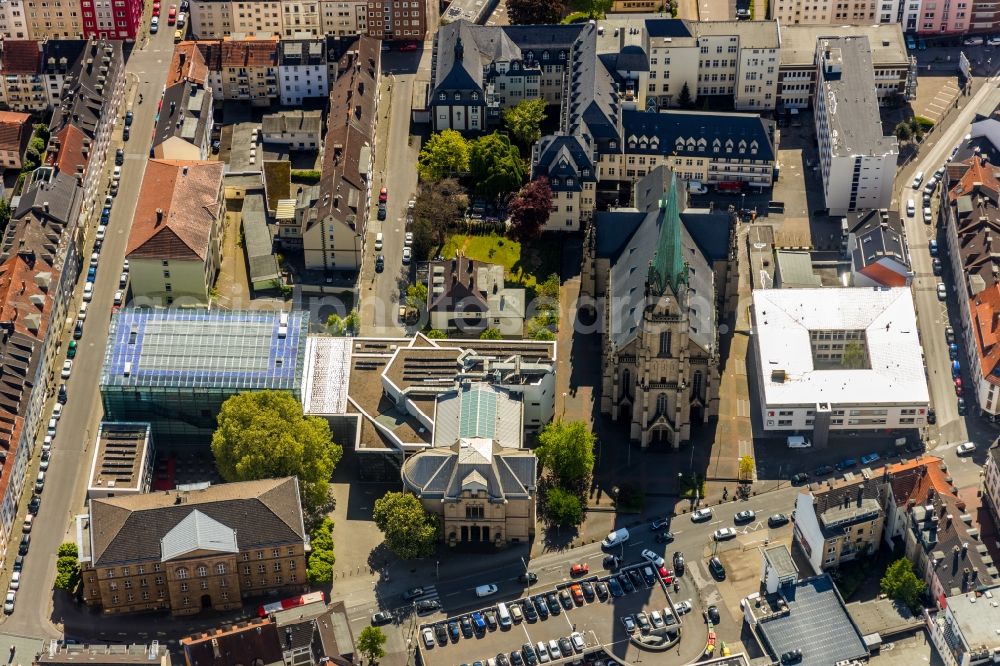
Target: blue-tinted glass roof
{"x":479,"y":413}
{"x":205,"y":349}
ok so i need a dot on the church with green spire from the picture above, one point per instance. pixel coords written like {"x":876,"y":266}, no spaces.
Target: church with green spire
{"x":656,"y":294}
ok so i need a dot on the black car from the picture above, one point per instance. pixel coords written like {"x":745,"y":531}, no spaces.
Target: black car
{"x":553,"y":601}
{"x":961,"y":406}
{"x":34,"y":504}
{"x":466,"y":626}
{"x":413,"y":593}
{"x":931,"y":416}
{"x":636,"y":577}
{"x":647,"y":575}
{"x":664,"y":537}
{"x":800,"y":478}
{"x":777,"y":520}
{"x":528,"y":577}
{"x":516,"y":659}
{"x":588,"y":590}
{"x":502,"y":659}
{"x":128,"y":119}
{"x":441,"y":630}
{"x":602,"y":590}
{"x":915,"y":446}
{"x":713,"y":614}
{"x":25,"y":542}
{"x":565,"y":646}
{"x":379,"y":263}
{"x":529,"y":610}
{"x":541,"y":607}
{"x":453,"y":631}
{"x":530,"y":657}
{"x":62,"y":394}
{"x":565,"y":599}
{"x":126,"y":133}
{"x":716,"y":568}
{"x":616,"y":587}
{"x":822,"y":470}
{"x":611,"y":561}
{"x":936,"y":266}
{"x":19,"y":563}
{"x":119,"y":157}
{"x":380,"y":618}
{"x":679,"y":563}
{"x":216,"y":145}
{"x":792,"y":656}
{"x":78,"y":330}
{"x":428,"y":605}
{"x":626,"y":583}
{"x":381,"y":212}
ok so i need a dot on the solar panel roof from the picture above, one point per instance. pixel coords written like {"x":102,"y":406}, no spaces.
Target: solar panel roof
{"x":817,"y":623}
{"x":205,"y":349}
{"x":479,"y":413}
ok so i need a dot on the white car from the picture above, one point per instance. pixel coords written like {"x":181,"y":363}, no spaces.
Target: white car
{"x":8,"y":603}
{"x":83,"y":312}
{"x":428,"y":635}
{"x":697,"y":187}
{"x":57,"y":410}
{"x":119,"y":296}
{"x":683,"y":607}
{"x":724,"y":533}
{"x":656,"y":619}
{"x":88,"y":292}
{"x":486,"y":590}
{"x":406,"y":255}
{"x":67,"y":368}
{"x":966,"y":448}
{"x":408,"y":239}
{"x":101,"y":231}
{"x":116,"y":175}
{"x":993,"y":40}
{"x":15,"y":580}
{"x":973,"y":41}
{"x":94,"y":258}
{"x":123,"y":280}
{"x":701,"y":515}
{"x":543,"y":652}
{"x":917,"y":179}
{"x":125,"y":265}
{"x":911,"y":208}
{"x":653,"y":557}
{"x":576,"y":638}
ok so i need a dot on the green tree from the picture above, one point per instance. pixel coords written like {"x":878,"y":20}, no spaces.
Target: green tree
{"x":321,"y":558}
{"x":746,"y":468}
{"x":495,"y":165}
{"x":563,"y":508}
{"x":525,"y":12}
{"x":440,"y":203}
{"x":263,"y":435}
{"x":899,"y":582}
{"x":371,"y":643}
{"x":444,"y":155}
{"x":349,"y":325}
{"x":5,"y":213}
{"x":490,"y":334}
{"x":596,"y":9}
{"x":435,"y":334}
{"x":684,"y":98}
{"x":903,"y":131}
{"x":67,"y":568}
{"x":525,"y":120}
{"x":68,"y":549}
{"x":543,"y":335}
{"x":854,"y":356}
{"x":41,"y":130}
{"x":416,"y":296}
{"x":409,"y":531}
{"x":567,"y":449}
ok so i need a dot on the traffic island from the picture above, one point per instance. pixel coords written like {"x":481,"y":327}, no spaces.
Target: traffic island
{"x":657,"y":640}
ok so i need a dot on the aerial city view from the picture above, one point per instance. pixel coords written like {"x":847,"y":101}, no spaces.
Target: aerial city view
{"x":500,"y":332}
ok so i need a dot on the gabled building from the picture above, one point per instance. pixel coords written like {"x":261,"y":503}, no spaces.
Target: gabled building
{"x":469,"y":296}
{"x":185,"y":551}
{"x":840,"y":522}
{"x":175,"y":246}
{"x":32,"y":72}
{"x":876,"y":245}
{"x":302,"y":70}
{"x":911,"y":483}
{"x":567,"y":161}
{"x":333,"y":230}
{"x":296,"y":130}
{"x":101,"y":21}
{"x":15,"y":131}
{"x":242,"y":68}
{"x":58,"y":19}
{"x":660,"y":354}
{"x":184,"y":125}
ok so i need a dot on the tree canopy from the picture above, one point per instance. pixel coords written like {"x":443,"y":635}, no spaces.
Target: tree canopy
{"x":899,"y":582}
{"x":490,"y":334}
{"x":563,"y":508}
{"x":529,"y":210}
{"x":416,"y":296}
{"x":439,"y":204}
{"x":528,"y":12}
{"x":321,"y":559}
{"x":409,"y":531}
{"x":567,"y":449}
{"x":371,"y":643}
{"x":264,"y":435}
{"x":596,"y":9}
{"x":525,"y":120}
{"x":444,"y":155}
{"x":495,"y":165}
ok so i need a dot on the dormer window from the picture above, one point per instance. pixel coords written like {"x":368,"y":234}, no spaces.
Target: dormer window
{"x":475,"y":95}
{"x":530,"y":55}
{"x":458,"y":97}
{"x":442,"y":97}
{"x":555,"y":181}
{"x":570,"y":181}
{"x":612,"y":144}
{"x":545,"y":55}
{"x":562,"y":55}
{"x":586,"y":173}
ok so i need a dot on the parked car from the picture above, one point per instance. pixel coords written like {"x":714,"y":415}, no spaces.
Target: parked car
{"x":724,"y":534}
{"x":846,"y":464}
{"x":800,"y":478}
{"x":407,"y":254}
{"x":942,"y":292}
{"x":67,"y":368}
{"x":911,"y":210}
{"x":793,"y":656}
{"x":713,"y":614}
{"x":379,"y":264}
{"x":682,"y":607}
{"x":660,"y":524}
{"x":383,"y":195}
{"x":679,"y":563}
{"x":932,"y":247}
{"x":716,"y":568}
{"x":823,"y":470}
{"x":745,"y":516}
{"x":664,"y":537}
{"x":961,"y":406}
{"x":8,"y":603}
{"x":936,"y":266}
{"x":966,"y":448}
{"x":701,"y":515}
{"x":579,"y":569}
{"x":868,"y":459}
{"x":528,"y":577}
{"x":777,"y":520}
{"x":973,"y":41}
{"x":655,"y":559}
{"x":380,"y":618}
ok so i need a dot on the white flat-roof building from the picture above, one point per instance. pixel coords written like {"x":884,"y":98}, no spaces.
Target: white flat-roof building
{"x":123,"y":460}
{"x":838,"y":359}
{"x":965,"y":630}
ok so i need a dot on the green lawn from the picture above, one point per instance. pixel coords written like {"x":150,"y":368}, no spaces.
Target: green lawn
{"x":524,"y":266}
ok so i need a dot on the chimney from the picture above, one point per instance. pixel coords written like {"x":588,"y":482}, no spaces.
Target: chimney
{"x":215,"y":648}
{"x":861,"y":493}
{"x":159,"y":216}
{"x":45,"y":206}
{"x":184,"y":170}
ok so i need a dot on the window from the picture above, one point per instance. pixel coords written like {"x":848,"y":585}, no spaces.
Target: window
{"x":665,"y":338}
{"x":661,"y":404}
{"x":159,"y":580}
{"x":184,"y":587}
{"x":220,"y":568}
{"x":202,"y":570}
{"x":277,"y":566}
{"x":181,"y":572}
{"x":261,"y":568}
{"x":474,"y":512}
{"x":275,"y":553}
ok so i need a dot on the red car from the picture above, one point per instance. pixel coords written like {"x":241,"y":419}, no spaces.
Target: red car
{"x":383,"y":195}
{"x":666,"y":575}
{"x":408,"y":46}
{"x":156,"y":9}
{"x":579,"y":569}
{"x":172,"y":15}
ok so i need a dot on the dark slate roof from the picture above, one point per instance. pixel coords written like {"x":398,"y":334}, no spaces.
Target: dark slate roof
{"x":879,"y":234}
{"x":240,"y":645}
{"x":459,"y":63}
{"x":129,"y":528}
{"x":710,"y":230}
{"x":817,"y":622}
{"x":186,"y":112}
{"x":593,"y":105}
{"x":668,"y":126}
{"x":631,"y":58}
{"x":942,"y":538}
{"x":561,"y":157}
{"x":668,"y":28}
{"x":61,"y":195}
{"x":84,"y":102}
{"x":440,"y":472}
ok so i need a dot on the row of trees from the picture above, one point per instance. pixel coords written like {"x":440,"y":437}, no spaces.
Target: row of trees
{"x":321,"y":559}
{"x":527,"y":12}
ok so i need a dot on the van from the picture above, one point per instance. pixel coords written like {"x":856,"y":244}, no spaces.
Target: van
{"x":51,"y":430}
{"x":40,"y":482}
{"x":378,"y":241}
{"x":616,"y":538}
{"x":486,"y":590}
{"x":798,"y":442}
{"x":503,"y":615}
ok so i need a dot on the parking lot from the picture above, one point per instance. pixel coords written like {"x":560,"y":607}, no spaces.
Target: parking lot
{"x":597,"y":616}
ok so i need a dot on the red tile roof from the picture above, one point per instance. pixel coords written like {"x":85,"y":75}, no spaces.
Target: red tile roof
{"x":187,"y":64}
{"x":914,"y":479}
{"x":249,"y":53}
{"x":979,"y":174}
{"x":21,"y":56}
{"x":186,"y":194}
{"x":69,"y":154}
{"x":12,"y":128}
{"x":884,"y":275}
{"x":985,"y":319}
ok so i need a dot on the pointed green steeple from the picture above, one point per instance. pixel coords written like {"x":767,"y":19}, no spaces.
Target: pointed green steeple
{"x":668,"y":269}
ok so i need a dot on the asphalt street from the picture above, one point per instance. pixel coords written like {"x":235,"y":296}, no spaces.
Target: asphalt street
{"x":65,"y":487}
